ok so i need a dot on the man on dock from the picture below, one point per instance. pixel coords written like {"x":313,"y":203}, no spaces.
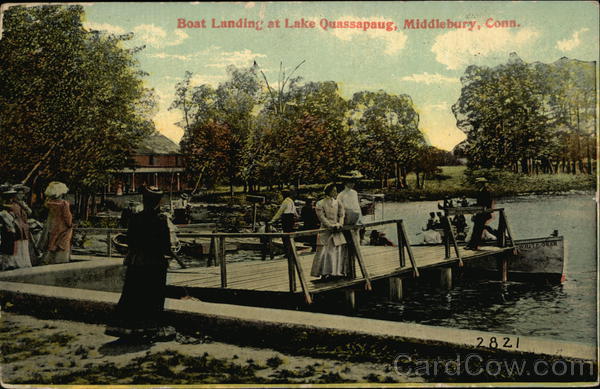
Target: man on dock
{"x":485,"y":200}
{"x":287,"y":211}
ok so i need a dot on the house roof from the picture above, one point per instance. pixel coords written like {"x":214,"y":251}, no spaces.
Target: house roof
{"x":157,"y":143}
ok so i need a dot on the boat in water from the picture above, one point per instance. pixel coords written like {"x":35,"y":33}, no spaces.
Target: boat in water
{"x":536,"y":259}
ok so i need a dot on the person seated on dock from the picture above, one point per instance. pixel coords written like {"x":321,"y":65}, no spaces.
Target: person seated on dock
{"x":377,"y":238}
{"x":430,"y":235}
{"x":460,"y":223}
{"x":287,"y":211}
{"x":329,"y":261}
{"x":432,"y":222}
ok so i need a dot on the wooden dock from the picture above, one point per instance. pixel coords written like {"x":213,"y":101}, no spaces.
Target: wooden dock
{"x":272,"y":275}
{"x":291,"y":276}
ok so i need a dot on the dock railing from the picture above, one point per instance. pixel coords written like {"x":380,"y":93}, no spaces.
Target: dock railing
{"x":218,"y":241}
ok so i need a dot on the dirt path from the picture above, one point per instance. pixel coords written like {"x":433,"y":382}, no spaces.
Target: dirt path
{"x":39,"y":351}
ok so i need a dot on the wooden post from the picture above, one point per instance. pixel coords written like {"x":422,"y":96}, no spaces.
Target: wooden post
{"x":446,"y":243}
{"x":410,"y":253}
{"x":108,"y":244}
{"x":351,"y":256}
{"x":452,"y":239}
{"x":363,"y":269}
{"x":291,"y":272}
{"x":512,"y":241}
{"x":504,"y":268}
{"x":401,"y":245}
{"x":294,"y":257}
{"x":221,"y":254}
{"x":501,"y":230}
{"x":212,"y":253}
{"x":395,"y":288}
{"x":446,"y":278}
{"x":253,"y":217}
{"x":350,"y":298}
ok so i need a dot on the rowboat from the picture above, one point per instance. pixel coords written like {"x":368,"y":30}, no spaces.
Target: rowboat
{"x":536,"y":259}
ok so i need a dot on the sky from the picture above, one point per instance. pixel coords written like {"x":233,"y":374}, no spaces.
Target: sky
{"x":426,"y":64}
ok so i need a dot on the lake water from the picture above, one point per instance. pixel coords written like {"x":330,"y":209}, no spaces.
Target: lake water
{"x":566,"y":312}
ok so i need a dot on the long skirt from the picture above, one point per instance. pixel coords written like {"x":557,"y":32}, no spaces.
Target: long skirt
{"x":330,"y":260}
{"x":20,"y":258}
{"x":58,"y":256}
{"x":140,"y":308}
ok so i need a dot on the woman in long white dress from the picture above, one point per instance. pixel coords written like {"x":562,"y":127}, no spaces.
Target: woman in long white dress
{"x":330,"y":260}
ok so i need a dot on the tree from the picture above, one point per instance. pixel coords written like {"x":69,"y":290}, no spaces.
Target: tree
{"x":527,"y":116}
{"x":309,"y":141}
{"x":386,"y":131}
{"x":72,"y":101}
{"x":231,"y":105}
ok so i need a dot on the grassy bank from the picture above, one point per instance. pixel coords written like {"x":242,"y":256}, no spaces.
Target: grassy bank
{"x":452,"y":182}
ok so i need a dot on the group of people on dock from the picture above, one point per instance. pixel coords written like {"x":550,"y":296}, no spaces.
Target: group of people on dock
{"x":23,"y":243}
{"x":333,"y":211}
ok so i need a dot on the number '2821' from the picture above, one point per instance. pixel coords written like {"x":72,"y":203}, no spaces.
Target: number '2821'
{"x":494,"y":342}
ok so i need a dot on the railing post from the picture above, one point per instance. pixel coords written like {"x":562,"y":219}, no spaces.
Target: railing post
{"x":287,"y":244}
{"x":212,"y":253}
{"x":501,"y":230}
{"x":410,"y":253}
{"x":446,"y":240}
{"x":293,"y":256}
{"x":401,"y":245}
{"x":351,"y":255}
{"x":355,"y":246}
{"x":108,"y":244}
{"x":222,"y":261}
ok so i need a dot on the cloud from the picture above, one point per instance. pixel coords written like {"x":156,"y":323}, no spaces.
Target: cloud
{"x":157,"y":37}
{"x":170,"y":56}
{"x":458,"y":48}
{"x":570,"y":44}
{"x":426,"y":78}
{"x":109,"y":28}
{"x":394,"y":40}
{"x":201,"y":79}
{"x":236,"y":58}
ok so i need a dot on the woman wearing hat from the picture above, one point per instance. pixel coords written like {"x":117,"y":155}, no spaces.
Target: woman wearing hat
{"x":14,"y":248}
{"x":330,"y":260}
{"x":139,"y":312}
{"x":349,"y":198}
{"x":58,"y":230}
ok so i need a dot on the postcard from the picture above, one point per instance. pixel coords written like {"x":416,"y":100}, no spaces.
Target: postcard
{"x":356,"y":193}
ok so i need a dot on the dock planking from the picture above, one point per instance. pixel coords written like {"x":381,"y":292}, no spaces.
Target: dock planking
{"x":272,"y":275}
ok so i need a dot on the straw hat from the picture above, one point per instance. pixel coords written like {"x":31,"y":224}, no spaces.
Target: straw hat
{"x":56,"y":189}
{"x":481,"y":180}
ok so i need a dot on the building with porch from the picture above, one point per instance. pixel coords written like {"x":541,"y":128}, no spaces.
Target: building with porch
{"x":157,"y":161}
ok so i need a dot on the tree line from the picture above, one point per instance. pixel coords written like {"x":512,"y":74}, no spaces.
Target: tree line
{"x":250,"y":133}
{"x":72,"y":101}
{"x":529,"y":118}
